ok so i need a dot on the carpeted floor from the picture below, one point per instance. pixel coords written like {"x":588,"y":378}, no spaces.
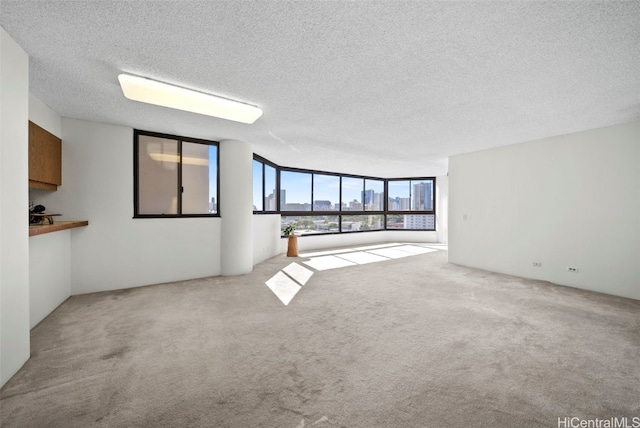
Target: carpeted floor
{"x":409,"y":342}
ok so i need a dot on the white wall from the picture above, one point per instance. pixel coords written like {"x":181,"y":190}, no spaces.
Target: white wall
{"x":266,"y":237}
{"x":267,"y":242}
{"x":44,"y":117}
{"x":571,"y":200}
{"x":311,"y":242}
{"x":49,"y":254}
{"x":442,"y":209}
{"x":14,"y":221}
{"x":116,"y":251}
{"x":49,"y":273}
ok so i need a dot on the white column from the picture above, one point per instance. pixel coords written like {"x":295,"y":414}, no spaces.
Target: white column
{"x":14,"y":201}
{"x":236,"y":207}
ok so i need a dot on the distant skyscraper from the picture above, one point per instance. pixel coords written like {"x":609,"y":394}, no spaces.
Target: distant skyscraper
{"x":422,"y":196}
{"x":367,"y":196}
{"x":420,"y":222}
{"x":378,"y":199}
{"x":270,"y":202}
{"x":283,"y":197}
{"x":404,"y":204}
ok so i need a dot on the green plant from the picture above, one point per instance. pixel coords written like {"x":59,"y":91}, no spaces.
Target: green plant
{"x":289,"y":229}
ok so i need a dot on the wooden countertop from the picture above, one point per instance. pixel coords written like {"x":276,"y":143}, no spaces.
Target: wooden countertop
{"x":39,"y":229}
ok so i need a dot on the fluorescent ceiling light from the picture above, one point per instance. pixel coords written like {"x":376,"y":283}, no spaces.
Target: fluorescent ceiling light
{"x":162,"y":94}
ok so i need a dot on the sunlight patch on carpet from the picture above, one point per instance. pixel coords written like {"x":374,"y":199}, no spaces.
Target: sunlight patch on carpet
{"x":299,"y":273}
{"x":392,"y":253}
{"x":283,"y":287}
{"x":328,"y":262}
{"x":415,"y":250}
{"x":362,"y":257}
{"x":286,"y":283}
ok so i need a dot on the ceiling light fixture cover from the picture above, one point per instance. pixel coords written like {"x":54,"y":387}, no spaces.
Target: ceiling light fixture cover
{"x":166,"y":95}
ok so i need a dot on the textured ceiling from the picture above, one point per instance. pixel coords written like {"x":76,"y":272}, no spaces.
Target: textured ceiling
{"x":381,"y":88}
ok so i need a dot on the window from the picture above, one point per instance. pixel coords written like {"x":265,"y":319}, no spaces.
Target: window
{"x":352,"y":193}
{"x":319,"y":202}
{"x":174,"y":176}
{"x":270,"y":203}
{"x":373,"y":197}
{"x":411,"y":222}
{"x":416,"y":198}
{"x":264,"y":186}
{"x":295,"y":191}
{"x":326,"y":192}
{"x":258,"y":186}
{"x":399,"y":195}
{"x":312,"y":224}
{"x":355,"y":223}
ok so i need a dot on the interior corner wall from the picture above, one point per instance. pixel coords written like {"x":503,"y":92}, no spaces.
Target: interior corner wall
{"x":115,"y":250}
{"x":266,"y":237}
{"x":566,"y":201}
{"x":442,"y":209}
{"x":49,"y":254}
{"x":14,"y":222}
{"x":44,"y":117}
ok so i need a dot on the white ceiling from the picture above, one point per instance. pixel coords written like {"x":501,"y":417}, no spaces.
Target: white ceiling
{"x":382,"y":88}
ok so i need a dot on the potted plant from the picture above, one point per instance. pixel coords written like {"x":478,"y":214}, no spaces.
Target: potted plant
{"x":292,"y":244}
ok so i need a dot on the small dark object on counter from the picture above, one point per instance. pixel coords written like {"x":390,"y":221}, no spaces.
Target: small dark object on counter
{"x":35,"y":219}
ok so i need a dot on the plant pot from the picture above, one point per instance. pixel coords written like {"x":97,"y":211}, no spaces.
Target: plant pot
{"x":292,"y":246}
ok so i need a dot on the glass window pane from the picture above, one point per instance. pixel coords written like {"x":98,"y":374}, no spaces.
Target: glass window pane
{"x":295,"y":193}
{"x":373,"y":195}
{"x":270,"y":188}
{"x":354,"y":223}
{"x":352,"y":192}
{"x":309,"y":225}
{"x":199,"y":178}
{"x":411,"y":222}
{"x":157,"y":175}
{"x":213,"y":179}
{"x":421,"y":195}
{"x":399,"y":195}
{"x":257,"y":186}
{"x":326,"y":192}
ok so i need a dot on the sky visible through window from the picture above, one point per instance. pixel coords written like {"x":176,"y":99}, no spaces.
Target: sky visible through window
{"x":213,"y":172}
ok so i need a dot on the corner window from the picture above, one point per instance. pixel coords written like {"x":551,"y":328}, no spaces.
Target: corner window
{"x":322,"y":202}
{"x":174,"y":176}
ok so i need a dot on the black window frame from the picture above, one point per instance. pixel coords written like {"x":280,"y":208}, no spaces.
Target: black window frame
{"x":340,"y":213}
{"x":136,"y":169}
{"x":411,"y":211}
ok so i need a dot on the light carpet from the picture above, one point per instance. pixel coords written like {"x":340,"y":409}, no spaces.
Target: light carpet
{"x":408,"y":342}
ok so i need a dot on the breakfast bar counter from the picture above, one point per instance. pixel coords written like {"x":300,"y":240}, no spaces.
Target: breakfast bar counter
{"x":39,"y":229}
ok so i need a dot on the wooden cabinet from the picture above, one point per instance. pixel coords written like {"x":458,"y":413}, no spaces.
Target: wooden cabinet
{"x":45,"y":159}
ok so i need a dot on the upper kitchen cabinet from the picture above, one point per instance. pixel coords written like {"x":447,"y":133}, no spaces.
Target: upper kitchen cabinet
{"x":45,"y":159}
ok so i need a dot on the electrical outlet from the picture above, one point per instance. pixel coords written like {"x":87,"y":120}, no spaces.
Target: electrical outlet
{"x":536,"y":264}
{"x":572,"y":269}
